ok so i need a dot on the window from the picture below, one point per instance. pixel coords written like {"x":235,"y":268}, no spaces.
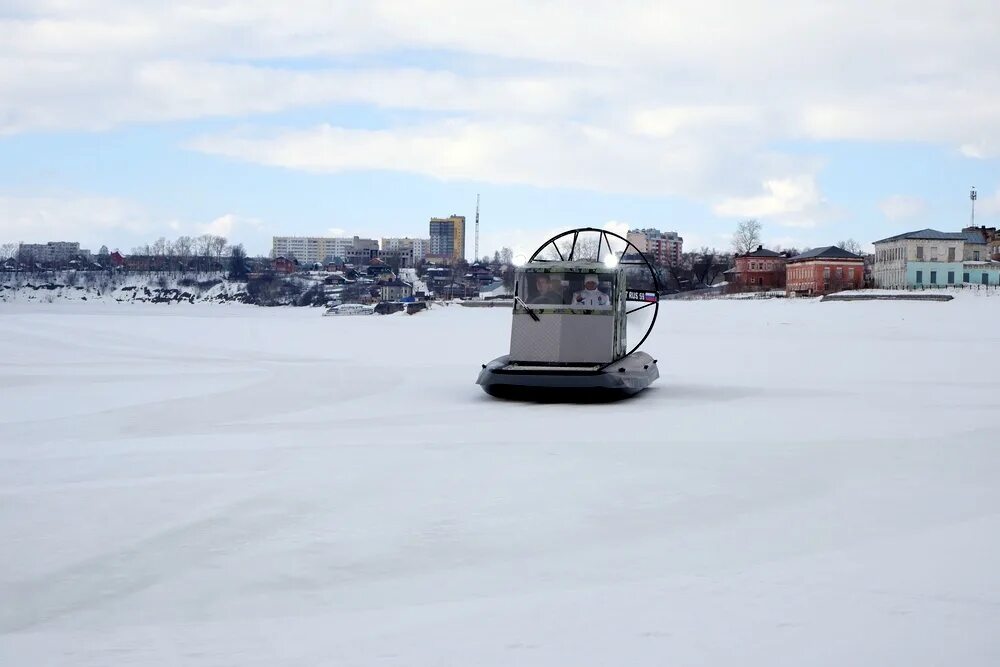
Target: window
{"x":965,"y":277}
{"x":566,"y":289}
{"x":920,"y":252}
{"x":986,"y":278}
{"x":975,"y":255}
{"x":933,"y":277}
{"x":920,"y":277}
{"x":826,"y":273}
{"x":933,"y":253}
{"x":951,"y":277}
{"x":951,"y":253}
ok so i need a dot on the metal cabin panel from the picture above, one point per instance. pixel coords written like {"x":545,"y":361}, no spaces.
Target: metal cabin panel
{"x":563,"y":337}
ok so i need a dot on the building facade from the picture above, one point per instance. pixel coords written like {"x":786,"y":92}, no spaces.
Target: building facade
{"x":53,"y":252}
{"x":931,"y":258}
{"x":663,"y":247}
{"x":313,"y":249}
{"x":824,"y":270}
{"x":394,"y":290}
{"x":419,"y":248}
{"x":284,"y":265}
{"x":447,"y":238}
{"x":758,"y":270}
{"x":408,"y":251}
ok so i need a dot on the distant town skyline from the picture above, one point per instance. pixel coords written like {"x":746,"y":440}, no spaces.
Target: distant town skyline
{"x":121,"y":124}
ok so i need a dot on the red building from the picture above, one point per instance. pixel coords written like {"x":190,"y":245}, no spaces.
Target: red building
{"x":758,"y":270}
{"x":824,"y":270}
{"x":284,"y":265}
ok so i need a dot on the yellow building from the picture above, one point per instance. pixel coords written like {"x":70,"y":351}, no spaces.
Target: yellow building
{"x":447,"y":238}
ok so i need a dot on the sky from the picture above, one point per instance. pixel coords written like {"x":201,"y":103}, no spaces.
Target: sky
{"x":122,"y":121}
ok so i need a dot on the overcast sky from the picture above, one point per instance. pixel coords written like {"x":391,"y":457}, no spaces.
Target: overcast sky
{"x":122,"y":121}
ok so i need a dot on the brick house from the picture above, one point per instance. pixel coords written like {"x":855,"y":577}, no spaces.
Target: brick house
{"x":758,"y":270}
{"x":284,"y":265}
{"x":824,"y":270}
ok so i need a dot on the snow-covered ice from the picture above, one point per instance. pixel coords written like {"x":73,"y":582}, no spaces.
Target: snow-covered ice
{"x":807,"y":484}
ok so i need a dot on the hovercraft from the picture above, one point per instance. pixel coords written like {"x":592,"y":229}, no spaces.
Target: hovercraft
{"x":568,"y":334}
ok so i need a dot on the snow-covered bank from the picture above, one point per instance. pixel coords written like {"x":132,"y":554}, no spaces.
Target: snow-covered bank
{"x":160,"y":288}
{"x":808,"y":483}
{"x":72,"y":286}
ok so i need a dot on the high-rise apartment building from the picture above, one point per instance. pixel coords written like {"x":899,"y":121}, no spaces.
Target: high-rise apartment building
{"x":447,"y":238}
{"x":663,"y":247}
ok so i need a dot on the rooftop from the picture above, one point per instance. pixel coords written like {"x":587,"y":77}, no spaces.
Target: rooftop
{"x":762,"y":252}
{"x":829,"y":252}
{"x":927,"y":235}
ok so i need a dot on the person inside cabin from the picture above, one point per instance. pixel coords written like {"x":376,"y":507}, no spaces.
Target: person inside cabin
{"x":590,"y":296}
{"x":547,"y":290}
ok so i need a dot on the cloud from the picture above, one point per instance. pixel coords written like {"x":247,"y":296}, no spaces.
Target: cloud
{"x":901,"y":207}
{"x":659,"y":68}
{"x":556,"y":155}
{"x":116,"y":92}
{"x":792,"y":202}
{"x":669,"y":121}
{"x":667,"y":98}
{"x":226,"y":225}
{"x":95,"y":221}
{"x":70,"y":217}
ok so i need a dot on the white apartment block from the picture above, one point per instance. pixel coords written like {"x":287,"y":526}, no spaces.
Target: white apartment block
{"x":418,"y":248}
{"x":53,"y":251}
{"x":312,"y":249}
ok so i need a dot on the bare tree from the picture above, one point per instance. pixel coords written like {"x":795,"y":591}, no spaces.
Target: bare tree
{"x":850,"y":245}
{"x":506,"y":256}
{"x":203,"y":245}
{"x":704,"y":267}
{"x":184,"y":246}
{"x":218,"y":246}
{"x":160,"y":247}
{"x":747,"y":237}
{"x":8,"y":250}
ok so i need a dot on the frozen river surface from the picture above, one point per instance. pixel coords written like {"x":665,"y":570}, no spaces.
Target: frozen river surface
{"x":807,"y":484}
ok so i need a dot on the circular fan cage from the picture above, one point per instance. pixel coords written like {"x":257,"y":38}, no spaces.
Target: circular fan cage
{"x":642,"y":281}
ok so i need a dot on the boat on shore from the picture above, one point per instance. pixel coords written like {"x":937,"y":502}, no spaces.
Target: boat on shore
{"x":350,"y":309}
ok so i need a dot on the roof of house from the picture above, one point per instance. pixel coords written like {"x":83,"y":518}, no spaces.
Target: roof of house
{"x":761,"y":252}
{"x":829,"y":252}
{"x":974,"y":236}
{"x":927,"y":235}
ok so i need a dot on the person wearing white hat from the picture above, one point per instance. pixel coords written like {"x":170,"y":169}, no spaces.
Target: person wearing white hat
{"x":590,"y":296}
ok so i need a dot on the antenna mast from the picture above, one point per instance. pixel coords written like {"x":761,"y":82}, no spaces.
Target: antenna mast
{"x":475,"y":257}
{"x":972,"y":196}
